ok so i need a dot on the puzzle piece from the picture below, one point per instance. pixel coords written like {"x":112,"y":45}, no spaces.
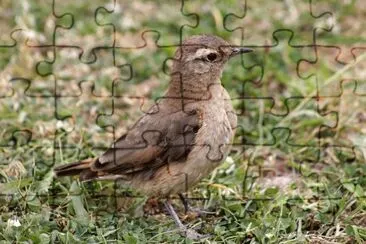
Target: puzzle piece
{"x":326,"y":79}
{"x":340,"y":34}
{"x":64,"y":57}
{"x":288,"y":18}
{"x":75,"y":77}
{"x":341,"y":135}
{"x":180,"y":11}
{"x":9,"y":49}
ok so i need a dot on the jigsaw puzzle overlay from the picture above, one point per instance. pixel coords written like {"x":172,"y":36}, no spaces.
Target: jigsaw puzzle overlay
{"x":75,"y":77}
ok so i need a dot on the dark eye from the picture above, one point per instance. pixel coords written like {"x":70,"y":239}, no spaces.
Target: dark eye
{"x":211,"y":57}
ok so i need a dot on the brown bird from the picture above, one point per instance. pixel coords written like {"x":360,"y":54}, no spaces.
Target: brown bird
{"x":182,"y":138}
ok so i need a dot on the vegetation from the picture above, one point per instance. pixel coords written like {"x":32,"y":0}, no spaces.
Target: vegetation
{"x":296,"y":171}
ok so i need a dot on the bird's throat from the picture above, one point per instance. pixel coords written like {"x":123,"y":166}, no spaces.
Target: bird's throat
{"x":192,"y":88}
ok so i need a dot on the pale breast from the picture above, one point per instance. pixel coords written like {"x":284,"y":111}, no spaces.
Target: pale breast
{"x":211,"y":147}
{"x":214,"y":138}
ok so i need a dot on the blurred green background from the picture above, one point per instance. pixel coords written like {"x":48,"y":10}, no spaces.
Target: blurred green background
{"x":296,"y":171}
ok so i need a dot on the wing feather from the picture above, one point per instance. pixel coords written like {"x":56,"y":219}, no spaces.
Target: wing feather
{"x":150,"y":144}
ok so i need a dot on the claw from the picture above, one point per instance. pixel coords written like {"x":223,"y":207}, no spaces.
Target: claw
{"x":192,"y":234}
{"x":184,"y":231}
{"x":188,"y":208}
{"x":200,"y":211}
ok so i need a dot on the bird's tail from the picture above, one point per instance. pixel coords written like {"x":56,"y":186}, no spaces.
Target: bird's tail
{"x":77,"y":168}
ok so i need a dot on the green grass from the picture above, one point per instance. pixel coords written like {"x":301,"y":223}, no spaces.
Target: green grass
{"x":299,"y":178}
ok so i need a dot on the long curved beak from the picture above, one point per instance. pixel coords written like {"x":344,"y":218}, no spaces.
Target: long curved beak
{"x":240,"y":50}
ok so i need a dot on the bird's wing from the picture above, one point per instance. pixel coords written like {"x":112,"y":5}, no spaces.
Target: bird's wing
{"x":151,"y":143}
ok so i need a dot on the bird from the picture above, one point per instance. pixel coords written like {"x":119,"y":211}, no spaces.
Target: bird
{"x":182,"y":138}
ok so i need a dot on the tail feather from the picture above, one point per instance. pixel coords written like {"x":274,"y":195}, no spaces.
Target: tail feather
{"x":86,"y":171}
{"x":81,"y":168}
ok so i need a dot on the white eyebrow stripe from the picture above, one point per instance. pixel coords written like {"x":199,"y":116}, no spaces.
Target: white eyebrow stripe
{"x":200,"y":53}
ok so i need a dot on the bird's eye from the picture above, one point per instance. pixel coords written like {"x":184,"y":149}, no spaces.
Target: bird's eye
{"x":211,"y":57}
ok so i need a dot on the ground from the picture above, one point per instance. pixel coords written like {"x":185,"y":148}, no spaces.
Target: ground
{"x":75,"y":75}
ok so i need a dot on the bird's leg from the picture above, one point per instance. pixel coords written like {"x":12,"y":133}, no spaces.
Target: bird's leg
{"x":184,"y":201}
{"x":186,"y":232}
{"x":187,"y":207}
{"x":174,"y":215}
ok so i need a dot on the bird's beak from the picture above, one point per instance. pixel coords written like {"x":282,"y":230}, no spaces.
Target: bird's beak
{"x":239,"y":50}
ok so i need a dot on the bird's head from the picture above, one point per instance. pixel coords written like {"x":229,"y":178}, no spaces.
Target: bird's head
{"x":202,"y":57}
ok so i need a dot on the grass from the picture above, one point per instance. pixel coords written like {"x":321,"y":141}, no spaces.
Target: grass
{"x":296,"y":170}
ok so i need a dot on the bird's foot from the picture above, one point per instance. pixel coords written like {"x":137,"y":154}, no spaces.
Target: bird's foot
{"x":184,"y":231}
{"x":192,"y":234}
{"x":189,"y":208}
{"x":194,"y":213}
{"x":199,"y":211}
